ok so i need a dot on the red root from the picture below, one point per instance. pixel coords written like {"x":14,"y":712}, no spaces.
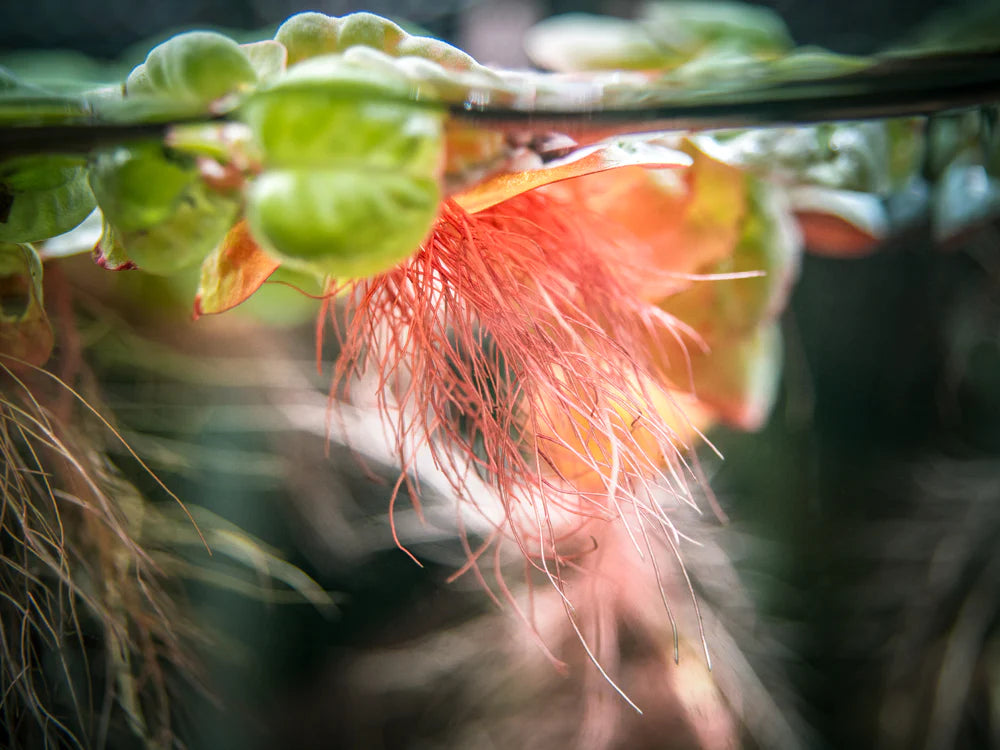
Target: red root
{"x":514,"y":344}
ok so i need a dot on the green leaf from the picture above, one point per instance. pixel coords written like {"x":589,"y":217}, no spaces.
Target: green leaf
{"x":331,"y":111}
{"x":430,"y":66}
{"x":689,"y":28}
{"x":906,"y":149}
{"x":739,"y":377}
{"x":668,"y":35}
{"x":342,"y":222}
{"x":448,"y":57}
{"x":199,"y":66}
{"x":109,"y":252}
{"x":187,"y":236}
{"x":286,"y":300}
{"x":62,"y":72}
{"x":42,"y":196}
{"x":141,"y":185}
{"x":309,"y":35}
{"x":808,"y":63}
{"x":225,"y":142}
{"x":25,"y":332}
{"x":768,"y":243}
{"x":268,"y":58}
{"x":965,"y":195}
{"x":23,"y":103}
{"x":580,"y":42}
{"x":368,"y":30}
{"x":10,"y":84}
{"x":164,"y":217}
{"x":951,"y":138}
{"x":956,"y":27}
{"x":861,"y":156}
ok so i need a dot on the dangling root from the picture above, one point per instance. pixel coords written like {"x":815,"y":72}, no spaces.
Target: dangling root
{"x":514,"y":344}
{"x":72,"y":570}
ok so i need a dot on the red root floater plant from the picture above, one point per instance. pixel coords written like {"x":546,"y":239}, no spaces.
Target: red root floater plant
{"x":556,"y":350}
{"x":529,"y":342}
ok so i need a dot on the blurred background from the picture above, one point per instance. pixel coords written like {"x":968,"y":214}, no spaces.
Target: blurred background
{"x":864,"y":525}
{"x":491,"y":32}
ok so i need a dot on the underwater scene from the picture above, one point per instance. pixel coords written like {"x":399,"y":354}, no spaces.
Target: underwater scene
{"x":599,"y":375}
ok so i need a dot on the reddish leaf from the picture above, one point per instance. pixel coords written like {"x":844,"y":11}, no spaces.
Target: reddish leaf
{"x":232,"y":272}
{"x":839,"y":223}
{"x":109,"y":254}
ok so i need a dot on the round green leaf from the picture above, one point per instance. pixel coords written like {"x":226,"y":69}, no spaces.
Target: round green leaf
{"x":184,"y":239}
{"x":199,"y":65}
{"x":139,"y":186}
{"x":307,"y":35}
{"x":268,"y":58}
{"x":369,"y":30}
{"x":42,"y":196}
{"x":329,"y":111}
{"x":160,"y":215}
{"x":346,"y":223}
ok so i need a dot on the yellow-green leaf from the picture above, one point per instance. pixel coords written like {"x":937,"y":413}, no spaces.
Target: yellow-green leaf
{"x":738,"y":378}
{"x":233,"y":271}
{"x":109,"y":252}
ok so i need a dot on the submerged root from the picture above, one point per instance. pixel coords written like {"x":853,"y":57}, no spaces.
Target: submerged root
{"x":76,"y":587}
{"x":515,"y":347}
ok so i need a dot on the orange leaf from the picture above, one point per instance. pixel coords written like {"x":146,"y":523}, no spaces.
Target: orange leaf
{"x":689,"y":219}
{"x":569,"y":438}
{"x":839,"y":223}
{"x":586,"y":161}
{"x":234,"y":270}
{"x":834,"y":237}
{"x":736,"y":381}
